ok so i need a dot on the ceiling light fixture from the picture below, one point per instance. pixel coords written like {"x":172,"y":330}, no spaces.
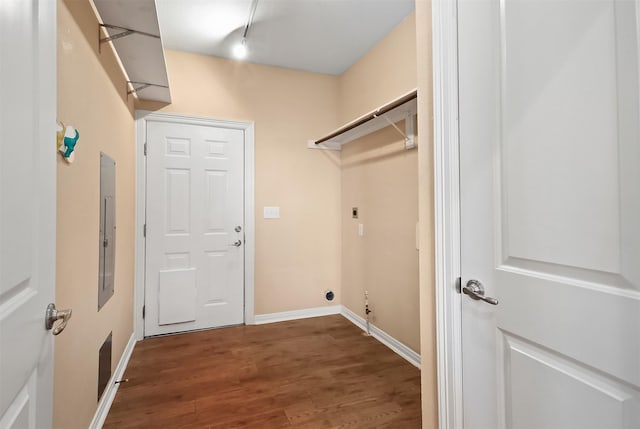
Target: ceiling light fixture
{"x":240,"y":50}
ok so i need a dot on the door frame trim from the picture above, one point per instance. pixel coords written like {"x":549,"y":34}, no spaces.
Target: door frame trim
{"x":447,"y":213}
{"x":142,"y":117}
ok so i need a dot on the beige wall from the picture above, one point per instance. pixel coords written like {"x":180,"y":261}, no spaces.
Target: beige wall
{"x":91,"y":97}
{"x":380,"y":177}
{"x":297,"y":256}
{"x":425,"y":186}
{"x":382,"y":74}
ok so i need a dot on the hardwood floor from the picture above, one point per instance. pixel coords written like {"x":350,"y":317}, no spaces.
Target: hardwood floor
{"x":311,"y":373}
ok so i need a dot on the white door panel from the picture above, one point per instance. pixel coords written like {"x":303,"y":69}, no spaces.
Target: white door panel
{"x":177,"y":294}
{"x":545,"y":390}
{"x":550,"y":213}
{"x":195,"y":194}
{"x":27,"y":210}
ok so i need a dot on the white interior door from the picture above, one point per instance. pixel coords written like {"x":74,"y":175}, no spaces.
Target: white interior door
{"x":195,"y":231}
{"x":27,"y":210}
{"x":550,"y":213}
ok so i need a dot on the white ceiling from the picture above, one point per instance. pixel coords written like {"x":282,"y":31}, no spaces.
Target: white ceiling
{"x":324,"y":36}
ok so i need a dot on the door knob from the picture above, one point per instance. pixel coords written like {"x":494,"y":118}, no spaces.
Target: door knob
{"x":475,"y":290}
{"x":52,"y":315}
{"x":237,"y":228}
{"x":237,"y":243}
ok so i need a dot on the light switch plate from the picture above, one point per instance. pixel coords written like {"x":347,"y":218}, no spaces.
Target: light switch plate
{"x":272,"y":212}
{"x":360,"y":229}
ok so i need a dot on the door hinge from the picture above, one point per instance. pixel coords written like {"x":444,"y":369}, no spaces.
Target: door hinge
{"x":144,"y":230}
{"x":144,"y":308}
{"x":459,"y":285}
{"x":145,"y":149}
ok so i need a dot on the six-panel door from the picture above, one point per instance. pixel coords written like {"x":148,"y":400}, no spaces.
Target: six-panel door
{"x":195,"y":236}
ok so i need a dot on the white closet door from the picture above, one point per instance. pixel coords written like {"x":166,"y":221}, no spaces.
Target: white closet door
{"x":550,"y":210}
{"x":27,"y":210}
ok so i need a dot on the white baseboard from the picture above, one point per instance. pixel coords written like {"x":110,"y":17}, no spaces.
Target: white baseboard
{"x":407,"y":353}
{"x":261,"y":319}
{"x":110,"y":391}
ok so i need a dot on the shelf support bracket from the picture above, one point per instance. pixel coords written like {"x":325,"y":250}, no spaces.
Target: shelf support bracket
{"x":124,"y":32}
{"x":328,"y":145}
{"x":410,"y":129}
{"x":409,"y":133}
{"x":141,"y":85}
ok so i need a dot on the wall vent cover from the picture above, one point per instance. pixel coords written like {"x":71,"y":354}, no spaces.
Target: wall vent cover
{"x":104,"y":365}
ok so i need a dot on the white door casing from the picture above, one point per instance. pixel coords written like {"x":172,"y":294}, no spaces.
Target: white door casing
{"x":195,"y":227}
{"x":550,"y":213}
{"x":27,"y":210}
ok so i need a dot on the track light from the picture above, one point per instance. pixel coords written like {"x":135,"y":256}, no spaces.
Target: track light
{"x":240,"y":50}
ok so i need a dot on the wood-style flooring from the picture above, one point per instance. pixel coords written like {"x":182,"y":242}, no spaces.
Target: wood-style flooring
{"x":311,"y":373}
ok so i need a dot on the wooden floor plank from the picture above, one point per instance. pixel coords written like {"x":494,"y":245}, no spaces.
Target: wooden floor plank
{"x":317,"y":373}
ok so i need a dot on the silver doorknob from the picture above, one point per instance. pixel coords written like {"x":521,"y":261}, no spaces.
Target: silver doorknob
{"x":475,"y":290}
{"x":52,"y":315}
{"x":237,"y":243}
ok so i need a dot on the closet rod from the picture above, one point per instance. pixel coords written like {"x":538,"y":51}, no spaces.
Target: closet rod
{"x":366,"y":118}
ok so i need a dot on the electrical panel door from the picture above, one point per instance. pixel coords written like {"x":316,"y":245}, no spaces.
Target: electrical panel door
{"x":107,"y":242}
